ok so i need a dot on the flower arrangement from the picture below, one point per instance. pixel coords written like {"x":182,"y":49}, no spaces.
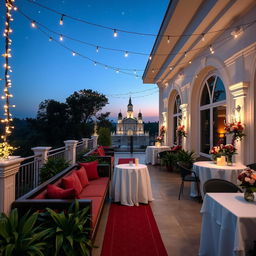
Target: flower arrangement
{"x":248,"y":179}
{"x":160,"y":137}
{"x":236,"y":129}
{"x":228,"y":150}
{"x":180,"y":133}
{"x":216,"y":151}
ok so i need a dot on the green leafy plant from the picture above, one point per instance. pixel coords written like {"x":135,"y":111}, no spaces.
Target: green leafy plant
{"x":69,"y":231}
{"x":87,"y":159}
{"x":186,"y":157}
{"x":169,"y":159}
{"x":52,"y":167}
{"x":80,"y":156}
{"x":21,"y":237}
{"x":104,"y":138}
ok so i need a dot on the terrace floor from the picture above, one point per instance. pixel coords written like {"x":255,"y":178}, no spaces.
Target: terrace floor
{"x":179,"y":222}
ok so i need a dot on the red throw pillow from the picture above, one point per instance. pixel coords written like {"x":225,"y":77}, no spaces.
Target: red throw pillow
{"x":55,"y":192}
{"x":101,"y":151}
{"x":91,"y":169}
{"x":82,"y":175}
{"x":72,"y":181}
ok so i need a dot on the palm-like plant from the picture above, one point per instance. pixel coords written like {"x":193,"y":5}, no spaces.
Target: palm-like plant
{"x":186,"y":157}
{"x":70,"y":232}
{"x":20,"y":237}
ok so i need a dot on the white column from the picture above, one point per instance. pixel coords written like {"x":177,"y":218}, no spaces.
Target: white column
{"x":41,"y":154}
{"x":184,"y":121}
{"x":8,"y":170}
{"x":164,"y":123}
{"x":239,"y":92}
{"x":85,"y":143}
{"x":70,"y":146}
{"x":95,"y":140}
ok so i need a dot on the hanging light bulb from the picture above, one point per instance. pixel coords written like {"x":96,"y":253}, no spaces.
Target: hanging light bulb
{"x":73,"y":53}
{"x":126,"y":54}
{"x":203,"y":38}
{"x":61,"y":38}
{"x":171,"y":68}
{"x":61,"y":19}
{"x":33,"y":24}
{"x":117,"y":71}
{"x":150,"y":57}
{"x":211,"y":49}
{"x":153,"y":71}
{"x":190,"y":62}
{"x":168,"y":39}
{"x":95,"y":63}
{"x":115,"y":33}
{"x":97,"y":49}
{"x":185,"y":54}
{"x":50,"y":39}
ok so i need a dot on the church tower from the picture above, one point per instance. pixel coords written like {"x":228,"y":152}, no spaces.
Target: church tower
{"x":130,"y":109}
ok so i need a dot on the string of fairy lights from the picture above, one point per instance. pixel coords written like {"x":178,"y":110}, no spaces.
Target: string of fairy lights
{"x":58,"y":38}
{"x":128,"y":71}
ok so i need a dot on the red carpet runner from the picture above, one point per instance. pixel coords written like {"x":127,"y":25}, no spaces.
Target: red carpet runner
{"x":132,"y":231}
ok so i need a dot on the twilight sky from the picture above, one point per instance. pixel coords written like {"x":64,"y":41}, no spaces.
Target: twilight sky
{"x":45,"y":70}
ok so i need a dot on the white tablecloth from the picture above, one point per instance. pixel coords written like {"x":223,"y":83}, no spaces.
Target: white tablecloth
{"x":206,"y":170}
{"x":151,"y":153}
{"x":131,"y":184}
{"x":228,"y":225}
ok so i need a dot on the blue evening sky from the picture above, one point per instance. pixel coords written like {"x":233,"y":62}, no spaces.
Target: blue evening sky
{"x":44,"y":70}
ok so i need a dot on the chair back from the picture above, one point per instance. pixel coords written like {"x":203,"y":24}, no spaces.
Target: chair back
{"x":252,"y":166}
{"x":220,"y":186}
{"x":126,"y":160}
{"x":184,"y":171}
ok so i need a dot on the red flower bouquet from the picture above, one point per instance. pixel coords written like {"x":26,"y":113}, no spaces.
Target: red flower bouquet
{"x":235,"y":128}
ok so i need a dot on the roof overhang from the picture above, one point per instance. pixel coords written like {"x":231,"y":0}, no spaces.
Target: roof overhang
{"x":185,"y":17}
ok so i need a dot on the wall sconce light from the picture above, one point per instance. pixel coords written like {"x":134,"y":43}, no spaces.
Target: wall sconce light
{"x":237,"y":32}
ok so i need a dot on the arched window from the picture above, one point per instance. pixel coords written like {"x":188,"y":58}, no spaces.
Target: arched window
{"x":212,"y":113}
{"x":177,"y":115}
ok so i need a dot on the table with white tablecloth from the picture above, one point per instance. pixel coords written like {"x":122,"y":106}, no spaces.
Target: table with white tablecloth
{"x":151,"y":153}
{"x":206,"y":170}
{"x":131,"y":184}
{"x":228,"y":225}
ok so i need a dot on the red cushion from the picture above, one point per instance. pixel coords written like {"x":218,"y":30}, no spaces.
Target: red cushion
{"x":91,"y":169}
{"x":93,"y":190}
{"x":126,"y":160}
{"x":96,"y":205}
{"x":101,"y":151}
{"x":81,"y":174}
{"x":72,"y":181}
{"x":55,"y":192}
{"x":100,"y":181}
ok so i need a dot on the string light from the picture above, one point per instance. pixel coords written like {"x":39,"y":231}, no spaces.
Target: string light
{"x":150,"y":57}
{"x":185,"y":54}
{"x":5,"y":148}
{"x":61,"y":19}
{"x":50,"y":38}
{"x":73,"y":53}
{"x":203,"y":38}
{"x":190,"y":62}
{"x":61,"y":38}
{"x":211,"y":49}
{"x":168,"y":39}
{"x":126,"y":54}
{"x":33,"y":24}
{"x":97,"y":49}
{"x":115,"y":33}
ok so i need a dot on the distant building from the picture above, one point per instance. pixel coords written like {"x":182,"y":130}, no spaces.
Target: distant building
{"x":130,"y":126}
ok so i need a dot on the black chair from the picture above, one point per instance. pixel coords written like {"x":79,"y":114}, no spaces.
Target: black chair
{"x":252,"y":166}
{"x":220,"y":186}
{"x":190,"y":176}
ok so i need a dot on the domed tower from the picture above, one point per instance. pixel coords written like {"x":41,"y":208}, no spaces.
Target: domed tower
{"x":130,"y":109}
{"x":120,"y":116}
{"x":140,"y":117}
{"x":140,"y":128}
{"x":119,"y":127}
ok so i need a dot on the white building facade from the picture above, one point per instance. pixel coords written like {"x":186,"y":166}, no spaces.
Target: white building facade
{"x":204,"y":63}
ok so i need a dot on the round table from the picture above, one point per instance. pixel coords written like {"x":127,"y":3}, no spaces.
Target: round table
{"x":131,"y":184}
{"x":206,"y":170}
{"x":151,"y":153}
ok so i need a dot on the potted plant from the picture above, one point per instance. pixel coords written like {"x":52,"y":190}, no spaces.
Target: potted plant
{"x":169,"y":159}
{"x":186,"y":157}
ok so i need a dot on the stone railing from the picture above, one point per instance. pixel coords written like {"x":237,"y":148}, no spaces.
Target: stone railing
{"x":20,"y":175}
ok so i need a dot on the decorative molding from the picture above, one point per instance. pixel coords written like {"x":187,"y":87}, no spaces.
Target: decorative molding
{"x":239,"y":90}
{"x":245,"y":52}
{"x":165,"y":101}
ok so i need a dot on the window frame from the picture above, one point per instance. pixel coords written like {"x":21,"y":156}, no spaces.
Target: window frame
{"x":179,"y":117}
{"x":210,"y":106}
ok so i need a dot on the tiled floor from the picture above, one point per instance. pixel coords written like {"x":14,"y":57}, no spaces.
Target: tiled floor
{"x":179,"y":222}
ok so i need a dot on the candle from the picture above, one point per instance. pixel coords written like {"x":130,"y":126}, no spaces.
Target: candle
{"x":221,"y":161}
{"x":136,"y":161}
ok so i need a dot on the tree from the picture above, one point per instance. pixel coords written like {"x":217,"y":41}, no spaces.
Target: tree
{"x":103,"y":121}
{"x":104,"y":137}
{"x":84,"y":104}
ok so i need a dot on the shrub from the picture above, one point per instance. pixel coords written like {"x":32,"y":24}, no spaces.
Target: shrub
{"x":104,"y":138}
{"x":21,"y":237}
{"x":186,"y":157}
{"x":52,"y":167}
{"x":69,"y":231}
